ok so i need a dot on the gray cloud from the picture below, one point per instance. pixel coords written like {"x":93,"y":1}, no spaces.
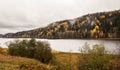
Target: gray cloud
{"x":8,"y":26}
{"x":19,"y":15}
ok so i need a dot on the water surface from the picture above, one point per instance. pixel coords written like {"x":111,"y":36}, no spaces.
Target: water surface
{"x":67,"y":45}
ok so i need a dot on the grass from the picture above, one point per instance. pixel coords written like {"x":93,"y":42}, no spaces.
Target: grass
{"x":66,"y":56}
{"x":70,"y":60}
{"x":8,"y":62}
{"x":67,"y":61}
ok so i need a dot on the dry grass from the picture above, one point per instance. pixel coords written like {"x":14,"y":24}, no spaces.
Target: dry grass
{"x":67,"y":60}
{"x":115,"y":61}
{"x":72,"y":59}
{"x":54,"y":51}
{"x":8,"y":62}
{"x":67,"y":56}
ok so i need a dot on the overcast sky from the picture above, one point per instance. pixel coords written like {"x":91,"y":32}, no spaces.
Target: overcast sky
{"x":19,"y":15}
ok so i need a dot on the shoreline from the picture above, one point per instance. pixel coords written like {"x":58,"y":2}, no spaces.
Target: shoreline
{"x":111,"y":39}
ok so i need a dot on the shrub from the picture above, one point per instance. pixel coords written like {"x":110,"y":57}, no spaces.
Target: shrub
{"x":17,"y":48}
{"x":43,"y":52}
{"x":94,"y":59}
{"x":32,"y":49}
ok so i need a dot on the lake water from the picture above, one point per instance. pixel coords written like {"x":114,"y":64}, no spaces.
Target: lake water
{"x":67,"y":45}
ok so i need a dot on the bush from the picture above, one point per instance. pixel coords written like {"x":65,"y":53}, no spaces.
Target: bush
{"x":32,"y":49}
{"x":43,"y":52}
{"x":18,"y":48}
{"x":94,"y":59}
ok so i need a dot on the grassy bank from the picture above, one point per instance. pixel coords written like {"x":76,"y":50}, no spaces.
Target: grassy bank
{"x":8,"y":62}
{"x":66,"y":61}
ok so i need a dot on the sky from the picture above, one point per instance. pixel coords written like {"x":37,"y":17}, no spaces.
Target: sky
{"x":20,"y":15}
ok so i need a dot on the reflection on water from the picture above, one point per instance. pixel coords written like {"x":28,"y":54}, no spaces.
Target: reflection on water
{"x":70,"y":44}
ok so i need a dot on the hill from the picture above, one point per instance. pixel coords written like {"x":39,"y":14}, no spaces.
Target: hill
{"x":96,"y":25}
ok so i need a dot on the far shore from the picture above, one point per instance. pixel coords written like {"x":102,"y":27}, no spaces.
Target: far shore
{"x":113,"y":39}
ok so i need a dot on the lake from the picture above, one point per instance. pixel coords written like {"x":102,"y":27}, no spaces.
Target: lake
{"x":67,"y":45}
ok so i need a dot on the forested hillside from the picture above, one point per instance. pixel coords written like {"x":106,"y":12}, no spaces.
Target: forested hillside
{"x":97,"y":25}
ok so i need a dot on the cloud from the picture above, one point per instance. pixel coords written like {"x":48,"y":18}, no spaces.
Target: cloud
{"x":19,"y":15}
